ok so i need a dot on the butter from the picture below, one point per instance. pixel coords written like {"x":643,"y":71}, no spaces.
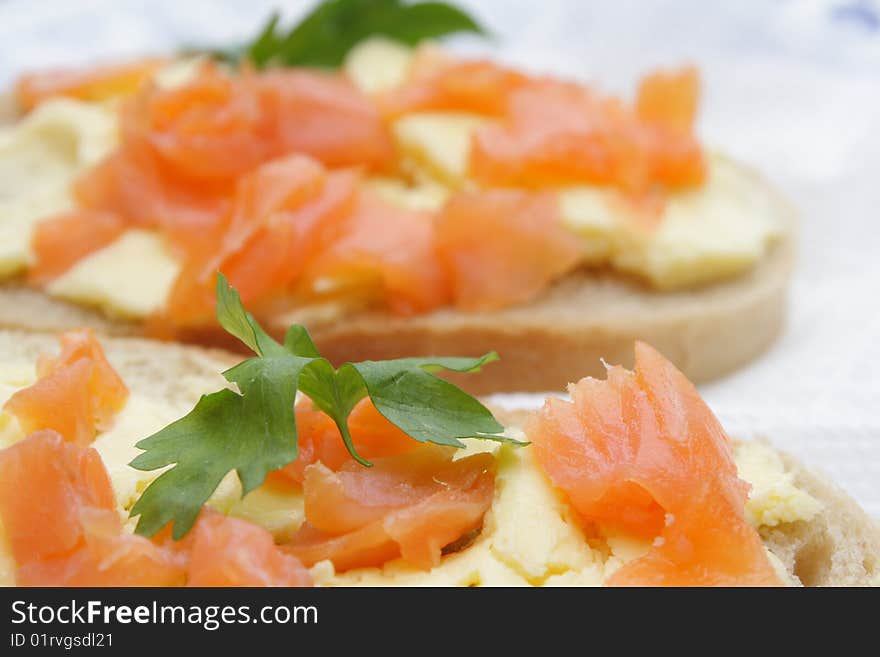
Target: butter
{"x":39,"y":158}
{"x":774,"y":498}
{"x":377,"y":64}
{"x":178,"y":72}
{"x":474,"y":566}
{"x":141,"y":417}
{"x":532,"y":529}
{"x":587,"y":212}
{"x":426,"y":196}
{"x":707,"y":234}
{"x":437,"y":145}
{"x":13,"y":376}
{"x":281,"y":511}
{"x":129,"y":278}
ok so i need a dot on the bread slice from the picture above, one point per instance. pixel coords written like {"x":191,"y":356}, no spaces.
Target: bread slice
{"x":558,"y":338}
{"x":561,"y":336}
{"x":840,"y":546}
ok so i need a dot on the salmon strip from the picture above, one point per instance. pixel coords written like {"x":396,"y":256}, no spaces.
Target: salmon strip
{"x":61,"y":241}
{"x":319,"y":439}
{"x":76,"y":393}
{"x":641,"y":453}
{"x":503,"y":247}
{"x":232,"y":552}
{"x":94,"y":84}
{"x":439,"y":82}
{"x":59,"y":515}
{"x":410,"y":506}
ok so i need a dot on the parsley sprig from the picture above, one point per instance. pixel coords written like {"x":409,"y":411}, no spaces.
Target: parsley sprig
{"x":334,"y":27}
{"x":253,"y":430}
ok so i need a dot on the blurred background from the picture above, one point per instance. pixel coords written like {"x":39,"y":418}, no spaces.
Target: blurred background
{"x":791,"y":87}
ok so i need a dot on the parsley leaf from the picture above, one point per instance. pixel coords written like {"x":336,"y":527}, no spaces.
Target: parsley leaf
{"x":324,"y":36}
{"x":253,"y":430}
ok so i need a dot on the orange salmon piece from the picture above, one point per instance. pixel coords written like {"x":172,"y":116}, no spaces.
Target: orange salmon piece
{"x":320,"y":441}
{"x":232,"y":552}
{"x":109,"y":556}
{"x":533,"y":248}
{"x":212,"y":128}
{"x":641,"y":453}
{"x":324,"y":116}
{"x":277,"y":216}
{"x":94,"y":84}
{"x":557,"y":134}
{"x":60,"y":518}
{"x":437,"y":82}
{"x":45,"y":482}
{"x":220,"y":126}
{"x":61,"y":241}
{"x":76,"y":393}
{"x":132,"y":184}
{"x":410,"y":505}
{"x":670,"y":98}
{"x":379,"y":250}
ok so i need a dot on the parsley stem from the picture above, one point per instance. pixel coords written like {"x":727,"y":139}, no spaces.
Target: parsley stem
{"x":349,"y":443}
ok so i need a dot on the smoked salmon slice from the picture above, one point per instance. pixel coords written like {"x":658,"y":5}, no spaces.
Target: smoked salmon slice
{"x":379,"y":251}
{"x":322,"y":115}
{"x":210,"y":128}
{"x":108,"y":556}
{"x":220,"y":126}
{"x":438,"y":82}
{"x":95,"y":84}
{"x":233,"y":552}
{"x":641,"y":453}
{"x":279,"y":215}
{"x":276,"y":219}
{"x":556,"y":133}
{"x":76,"y":393}
{"x":320,"y":441}
{"x":669,"y":98}
{"x":410,"y":505}
{"x":63,"y":479}
{"x":59,"y":514}
{"x":503,"y":247}
{"x":131,"y":184}
{"x":61,"y":241}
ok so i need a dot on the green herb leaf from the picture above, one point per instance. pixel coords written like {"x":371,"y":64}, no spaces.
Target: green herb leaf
{"x":425,"y":407}
{"x":324,"y":36}
{"x":253,"y":430}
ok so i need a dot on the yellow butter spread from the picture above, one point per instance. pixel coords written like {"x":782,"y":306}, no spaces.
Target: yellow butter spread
{"x":39,"y":158}
{"x":129,"y":278}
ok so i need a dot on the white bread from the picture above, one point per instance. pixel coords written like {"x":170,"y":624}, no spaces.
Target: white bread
{"x":838,"y":547}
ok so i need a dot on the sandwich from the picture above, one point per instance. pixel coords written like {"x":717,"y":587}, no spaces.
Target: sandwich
{"x":131,"y":462}
{"x":407,"y":202}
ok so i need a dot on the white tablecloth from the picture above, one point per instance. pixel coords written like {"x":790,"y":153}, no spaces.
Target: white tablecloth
{"x":792,"y":87}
